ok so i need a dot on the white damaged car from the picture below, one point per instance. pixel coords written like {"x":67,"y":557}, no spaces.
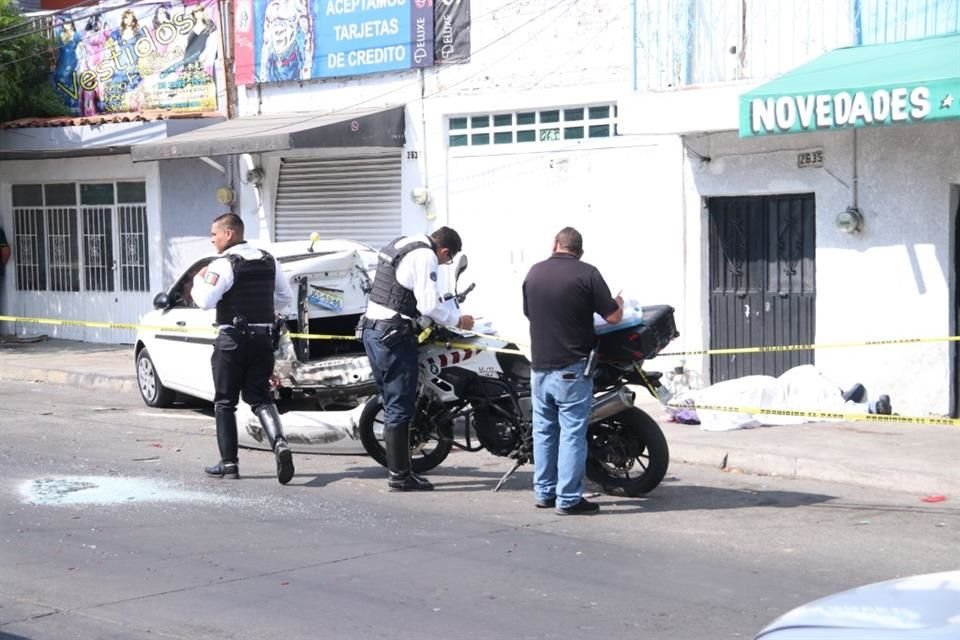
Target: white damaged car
{"x":331,"y":280}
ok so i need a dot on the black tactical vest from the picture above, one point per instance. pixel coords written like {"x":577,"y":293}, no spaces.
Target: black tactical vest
{"x":386,"y":290}
{"x":251,"y":295}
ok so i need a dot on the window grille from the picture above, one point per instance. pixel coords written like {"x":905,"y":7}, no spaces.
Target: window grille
{"x":537,"y":126}
{"x":78,"y":236}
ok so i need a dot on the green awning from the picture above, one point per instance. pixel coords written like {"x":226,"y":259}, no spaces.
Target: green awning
{"x":869,"y":86}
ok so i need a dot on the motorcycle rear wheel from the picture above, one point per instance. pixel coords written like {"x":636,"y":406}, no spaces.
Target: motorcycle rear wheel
{"x":425,"y":452}
{"x":627,"y":454}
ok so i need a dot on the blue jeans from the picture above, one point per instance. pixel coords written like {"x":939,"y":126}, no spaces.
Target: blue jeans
{"x":395,"y":372}
{"x":562,"y":399}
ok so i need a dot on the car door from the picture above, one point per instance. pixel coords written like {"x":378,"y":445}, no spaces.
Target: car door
{"x":184,"y":339}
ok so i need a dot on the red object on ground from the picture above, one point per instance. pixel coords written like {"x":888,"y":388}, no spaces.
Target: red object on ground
{"x":934,"y":498}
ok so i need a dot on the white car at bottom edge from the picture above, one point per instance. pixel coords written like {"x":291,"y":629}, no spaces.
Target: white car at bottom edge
{"x":920,"y":607}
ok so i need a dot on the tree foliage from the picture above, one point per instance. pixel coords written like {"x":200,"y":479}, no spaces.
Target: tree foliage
{"x":25,"y":57}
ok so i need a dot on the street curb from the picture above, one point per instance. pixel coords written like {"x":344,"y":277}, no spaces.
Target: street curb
{"x":769,"y":464}
{"x":70,"y":378}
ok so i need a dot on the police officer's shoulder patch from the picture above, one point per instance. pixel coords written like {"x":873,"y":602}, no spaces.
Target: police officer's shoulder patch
{"x":433,"y":276}
{"x":211,"y":277}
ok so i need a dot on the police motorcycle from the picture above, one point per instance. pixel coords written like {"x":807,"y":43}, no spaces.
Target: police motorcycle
{"x":474,"y":393}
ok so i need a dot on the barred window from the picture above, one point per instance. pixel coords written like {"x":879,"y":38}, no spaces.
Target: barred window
{"x":543,"y":125}
{"x":81,"y":236}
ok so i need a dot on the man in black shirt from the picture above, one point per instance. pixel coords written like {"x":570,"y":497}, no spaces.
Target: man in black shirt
{"x":560,"y":296}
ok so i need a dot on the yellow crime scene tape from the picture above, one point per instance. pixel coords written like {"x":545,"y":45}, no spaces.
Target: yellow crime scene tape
{"x":211,"y":330}
{"x":826,"y":415}
{"x":808,"y":347}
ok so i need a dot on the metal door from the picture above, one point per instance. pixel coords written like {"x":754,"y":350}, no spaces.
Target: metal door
{"x":762,"y":282}
{"x":354,"y":197}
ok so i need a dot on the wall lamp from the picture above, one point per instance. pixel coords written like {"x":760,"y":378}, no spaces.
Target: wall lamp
{"x":420,"y":195}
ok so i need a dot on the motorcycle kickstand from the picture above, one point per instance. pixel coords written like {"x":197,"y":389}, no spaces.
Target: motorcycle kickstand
{"x":516,"y":465}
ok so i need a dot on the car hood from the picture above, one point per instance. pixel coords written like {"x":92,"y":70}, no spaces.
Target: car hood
{"x":922,"y":606}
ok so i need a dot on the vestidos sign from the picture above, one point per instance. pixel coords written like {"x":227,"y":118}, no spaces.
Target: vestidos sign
{"x":839,"y":110}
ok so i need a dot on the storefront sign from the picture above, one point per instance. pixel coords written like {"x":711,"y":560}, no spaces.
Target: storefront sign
{"x":843,"y":109}
{"x":144,"y":56}
{"x":288,"y":40}
{"x":901,"y":82}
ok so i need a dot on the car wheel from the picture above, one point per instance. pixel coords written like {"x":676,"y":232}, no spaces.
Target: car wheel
{"x":152,"y":391}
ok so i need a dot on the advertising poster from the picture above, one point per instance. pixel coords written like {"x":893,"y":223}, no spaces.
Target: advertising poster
{"x":139,"y":57}
{"x":451,"y":31}
{"x":291,"y":40}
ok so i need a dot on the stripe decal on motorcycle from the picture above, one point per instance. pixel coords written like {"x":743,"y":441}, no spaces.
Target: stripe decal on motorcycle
{"x":454,"y":357}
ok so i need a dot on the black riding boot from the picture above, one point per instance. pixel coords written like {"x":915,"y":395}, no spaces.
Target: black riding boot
{"x":227,"y":442}
{"x":396,"y":440}
{"x":270,"y":421}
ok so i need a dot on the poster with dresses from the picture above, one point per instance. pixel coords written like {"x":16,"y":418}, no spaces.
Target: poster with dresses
{"x":161,"y":55}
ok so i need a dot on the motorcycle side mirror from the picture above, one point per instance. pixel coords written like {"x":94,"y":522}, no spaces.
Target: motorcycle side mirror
{"x":161,"y":301}
{"x":459,"y":264}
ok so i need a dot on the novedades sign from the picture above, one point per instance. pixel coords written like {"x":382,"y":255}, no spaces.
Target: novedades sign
{"x":838,"y":110}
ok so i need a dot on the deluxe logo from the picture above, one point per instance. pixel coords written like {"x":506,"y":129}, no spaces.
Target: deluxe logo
{"x":842,"y":109}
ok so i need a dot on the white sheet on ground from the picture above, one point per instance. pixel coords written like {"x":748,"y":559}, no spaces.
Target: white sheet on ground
{"x":801,"y":388}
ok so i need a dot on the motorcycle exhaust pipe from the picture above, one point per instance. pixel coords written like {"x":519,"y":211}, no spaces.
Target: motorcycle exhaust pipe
{"x":611,"y":403}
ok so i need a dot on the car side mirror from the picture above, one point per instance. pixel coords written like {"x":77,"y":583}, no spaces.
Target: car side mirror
{"x":161,"y":301}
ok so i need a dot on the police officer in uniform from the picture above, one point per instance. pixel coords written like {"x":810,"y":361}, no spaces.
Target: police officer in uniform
{"x":404,"y":288}
{"x":246,"y":286}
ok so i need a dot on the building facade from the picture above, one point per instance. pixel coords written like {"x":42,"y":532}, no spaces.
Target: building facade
{"x":510,"y":120}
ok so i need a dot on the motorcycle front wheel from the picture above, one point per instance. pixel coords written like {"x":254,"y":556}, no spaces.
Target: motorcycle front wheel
{"x":427,"y":448}
{"x":627,"y":454}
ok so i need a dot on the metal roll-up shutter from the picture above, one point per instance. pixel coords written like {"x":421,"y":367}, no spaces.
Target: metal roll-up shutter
{"x":354,"y":198}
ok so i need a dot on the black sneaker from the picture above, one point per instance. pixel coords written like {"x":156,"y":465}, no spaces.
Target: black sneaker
{"x":284,"y":462}
{"x":225,"y":470}
{"x":582,"y":508}
{"x":545,"y":503}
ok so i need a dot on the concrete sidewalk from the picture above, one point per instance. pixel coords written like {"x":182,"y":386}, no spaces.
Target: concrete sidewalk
{"x":920,"y":459}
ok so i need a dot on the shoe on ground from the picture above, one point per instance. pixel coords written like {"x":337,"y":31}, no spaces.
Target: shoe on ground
{"x":284,"y":462}
{"x":582,"y":508}
{"x":883,"y":406}
{"x":225,"y":470}
{"x":409,"y":482}
{"x":856,"y":393}
{"x":545,"y":503}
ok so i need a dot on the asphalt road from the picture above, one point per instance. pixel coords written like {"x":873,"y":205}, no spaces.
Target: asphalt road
{"x":110,"y":530}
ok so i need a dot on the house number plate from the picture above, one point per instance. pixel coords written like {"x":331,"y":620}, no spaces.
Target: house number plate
{"x":810,"y":158}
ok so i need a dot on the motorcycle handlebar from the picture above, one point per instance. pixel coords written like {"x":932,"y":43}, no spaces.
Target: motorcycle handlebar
{"x":459,"y":297}
{"x":463,"y":295}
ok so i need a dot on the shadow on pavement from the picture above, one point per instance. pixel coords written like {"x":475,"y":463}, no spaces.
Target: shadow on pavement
{"x":677,"y":497}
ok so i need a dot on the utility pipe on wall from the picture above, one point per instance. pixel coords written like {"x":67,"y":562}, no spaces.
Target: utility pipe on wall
{"x":633,"y":43}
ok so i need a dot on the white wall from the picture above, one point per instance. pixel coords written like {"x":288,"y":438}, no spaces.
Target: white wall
{"x":525,"y":54}
{"x":623,"y":195}
{"x":893,"y":280}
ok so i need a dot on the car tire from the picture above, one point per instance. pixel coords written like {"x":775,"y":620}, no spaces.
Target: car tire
{"x":152,"y":391}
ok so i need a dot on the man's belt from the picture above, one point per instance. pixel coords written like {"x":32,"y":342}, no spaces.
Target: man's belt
{"x":383,"y":325}
{"x":250,"y":329}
